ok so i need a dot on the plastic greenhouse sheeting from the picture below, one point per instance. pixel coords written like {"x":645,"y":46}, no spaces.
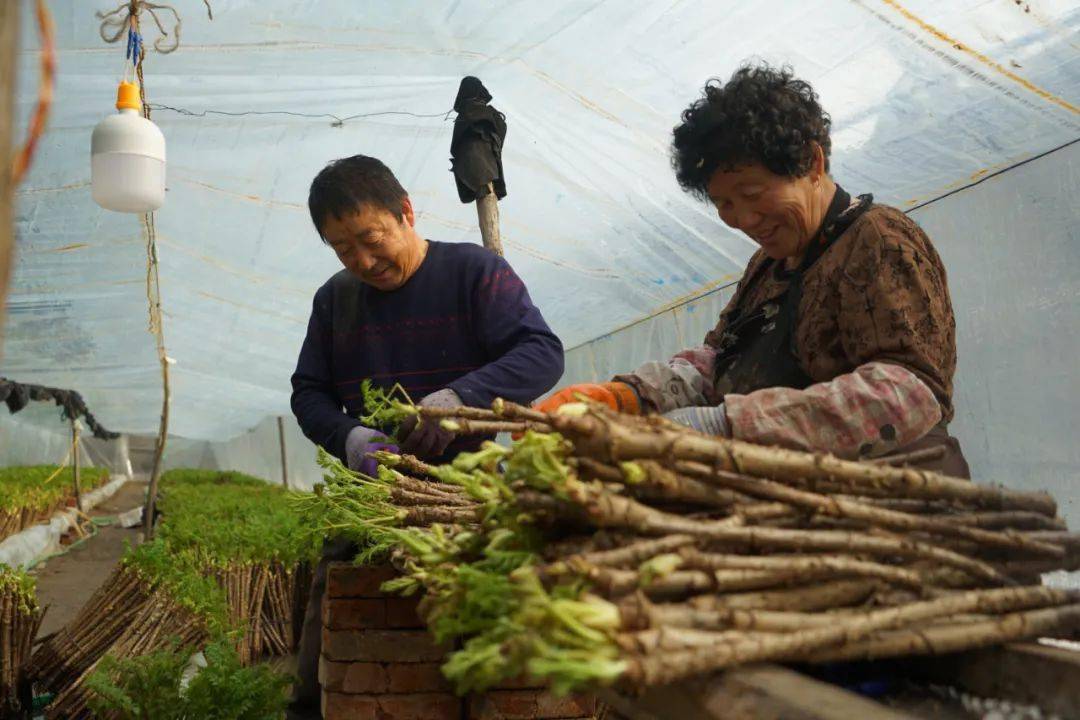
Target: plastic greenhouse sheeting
{"x":925,"y":97}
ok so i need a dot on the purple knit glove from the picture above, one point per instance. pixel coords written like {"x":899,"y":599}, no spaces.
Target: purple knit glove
{"x":369,"y":466}
{"x":361,"y":441}
{"x":428,"y":439}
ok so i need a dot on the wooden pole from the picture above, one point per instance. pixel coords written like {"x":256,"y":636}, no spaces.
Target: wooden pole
{"x":281,"y":442}
{"x":75,"y":461}
{"x":9,"y":27}
{"x":487,"y":210}
{"x":153,"y":296}
{"x":163,"y":426}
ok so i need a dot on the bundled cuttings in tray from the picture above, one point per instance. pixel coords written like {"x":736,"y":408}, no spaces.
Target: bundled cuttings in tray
{"x":151,"y":601}
{"x":31,"y":494}
{"x":230,"y":561}
{"x":243,"y":532}
{"x":602,"y":548}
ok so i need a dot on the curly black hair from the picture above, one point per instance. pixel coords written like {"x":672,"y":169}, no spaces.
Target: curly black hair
{"x":763,"y":114}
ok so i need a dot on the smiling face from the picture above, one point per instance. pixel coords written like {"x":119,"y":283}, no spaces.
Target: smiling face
{"x":375,"y":245}
{"x":781,"y":214}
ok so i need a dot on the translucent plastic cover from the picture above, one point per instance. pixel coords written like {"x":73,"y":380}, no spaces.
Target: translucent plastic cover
{"x":925,"y":96}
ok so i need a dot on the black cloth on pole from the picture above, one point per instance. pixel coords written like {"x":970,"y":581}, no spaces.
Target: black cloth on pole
{"x":18,"y":395}
{"x":476,"y":146}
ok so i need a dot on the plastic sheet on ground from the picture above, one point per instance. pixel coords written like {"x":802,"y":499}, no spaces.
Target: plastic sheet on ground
{"x":25,"y":548}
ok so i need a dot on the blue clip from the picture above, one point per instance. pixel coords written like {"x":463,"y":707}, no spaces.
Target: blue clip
{"x":134,"y":47}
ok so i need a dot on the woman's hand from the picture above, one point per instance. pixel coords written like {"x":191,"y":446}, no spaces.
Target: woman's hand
{"x":427,"y":438}
{"x":359,"y":443}
{"x":706,"y":420}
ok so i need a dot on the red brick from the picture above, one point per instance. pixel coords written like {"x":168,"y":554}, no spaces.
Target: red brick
{"x":402,"y":613}
{"x":354,"y":613}
{"x":374,"y":678}
{"x":528,"y":705}
{"x":417,"y":677}
{"x":353,"y":677}
{"x":417,"y":706}
{"x":381,"y":646}
{"x":345,"y":580}
{"x":520,"y":683}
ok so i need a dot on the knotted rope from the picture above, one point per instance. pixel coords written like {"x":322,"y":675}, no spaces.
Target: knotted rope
{"x":116,"y":23}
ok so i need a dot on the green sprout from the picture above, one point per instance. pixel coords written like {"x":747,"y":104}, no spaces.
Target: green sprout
{"x":658,"y":567}
{"x":539,"y":461}
{"x":386,"y":409}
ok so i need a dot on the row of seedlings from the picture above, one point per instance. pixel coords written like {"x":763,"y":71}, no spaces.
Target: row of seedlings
{"x":227,"y":565}
{"x":31,"y":494}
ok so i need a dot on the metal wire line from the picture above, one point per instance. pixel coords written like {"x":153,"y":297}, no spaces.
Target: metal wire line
{"x":338,"y":121}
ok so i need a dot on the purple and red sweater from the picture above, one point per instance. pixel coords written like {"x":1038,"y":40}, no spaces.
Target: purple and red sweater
{"x":463,"y":321}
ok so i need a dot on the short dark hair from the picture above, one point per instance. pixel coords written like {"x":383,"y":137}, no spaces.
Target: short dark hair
{"x":344,"y":185}
{"x":763,"y":114}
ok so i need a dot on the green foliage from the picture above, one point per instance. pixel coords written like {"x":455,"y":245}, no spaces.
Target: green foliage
{"x":488,"y":658}
{"x":213,"y":520}
{"x":385,"y":408}
{"x":564,"y":637}
{"x":467,"y":601}
{"x":478,"y":581}
{"x":35,"y":486}
{"x":191,"y":476}
{"x":22,"y":585}
{"x":225,"y":690}
{"x":183,"y":574}
{"x":658,"y":567}
{"x":147,"y":686}
{"x":538,"y":460}
{"x":229,"y":518}
{"x":150,"y":687}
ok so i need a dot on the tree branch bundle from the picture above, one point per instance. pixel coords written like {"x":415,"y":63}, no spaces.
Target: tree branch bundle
{"x":603,"y":548}
{"x":20,"y":618}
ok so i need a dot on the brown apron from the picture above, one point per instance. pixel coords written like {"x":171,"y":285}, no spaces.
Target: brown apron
{"x":757,"y":347}
{"x":951,"y":462}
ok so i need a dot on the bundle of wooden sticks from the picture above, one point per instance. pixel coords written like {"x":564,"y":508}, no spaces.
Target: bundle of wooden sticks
{"x":606,"y":548}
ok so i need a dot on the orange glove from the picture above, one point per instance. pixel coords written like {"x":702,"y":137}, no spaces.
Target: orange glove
{"x":616,"y":395}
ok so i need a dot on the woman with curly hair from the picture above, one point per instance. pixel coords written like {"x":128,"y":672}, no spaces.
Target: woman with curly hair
{"x":840,"y":336}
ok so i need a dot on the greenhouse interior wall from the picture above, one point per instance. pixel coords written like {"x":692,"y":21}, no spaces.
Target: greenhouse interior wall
{"x":1011,"y":244}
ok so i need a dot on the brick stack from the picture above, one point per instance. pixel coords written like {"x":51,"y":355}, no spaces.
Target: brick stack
{"x":378,"y":661}
{"x":525,"y":701}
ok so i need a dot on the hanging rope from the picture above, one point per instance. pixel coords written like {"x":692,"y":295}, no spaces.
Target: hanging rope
{"x":125,"y":17}
{"x":21,"y":161}
{"x":153,"y":290}
{"x":72,"y":448}
{"x":153,"y":299}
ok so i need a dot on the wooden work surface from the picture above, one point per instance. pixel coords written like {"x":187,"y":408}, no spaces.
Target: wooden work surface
{"x":1022,"y":673}
{"x":1026,"y":673}
{"x":760,"y":692}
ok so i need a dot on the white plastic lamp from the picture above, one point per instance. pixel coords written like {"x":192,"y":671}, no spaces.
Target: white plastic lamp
{"x":127,"y":158}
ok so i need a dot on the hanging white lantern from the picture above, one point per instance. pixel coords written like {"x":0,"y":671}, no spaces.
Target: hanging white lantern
{"x":127,"y":158}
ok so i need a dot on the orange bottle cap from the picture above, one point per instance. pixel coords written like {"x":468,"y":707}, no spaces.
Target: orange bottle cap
{"x":127,"y":96}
